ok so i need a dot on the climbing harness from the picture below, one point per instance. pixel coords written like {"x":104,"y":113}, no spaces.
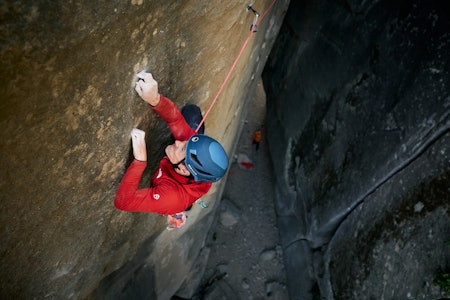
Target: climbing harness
{"x":253,"y":28}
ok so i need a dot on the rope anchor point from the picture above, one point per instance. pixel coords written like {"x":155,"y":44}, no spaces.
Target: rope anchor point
{"x":253,"y":26}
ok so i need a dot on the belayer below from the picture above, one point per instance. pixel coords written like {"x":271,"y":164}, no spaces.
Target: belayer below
{"x":187,"y":171}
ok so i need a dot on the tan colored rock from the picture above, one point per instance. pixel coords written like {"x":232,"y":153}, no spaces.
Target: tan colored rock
{"x":67,"y":108}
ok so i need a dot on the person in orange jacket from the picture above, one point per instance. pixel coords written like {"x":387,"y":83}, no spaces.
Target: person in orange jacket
{"x":257,"y":136}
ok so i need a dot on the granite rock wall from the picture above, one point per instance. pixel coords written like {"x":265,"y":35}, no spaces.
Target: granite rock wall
{"x":358,"y":127}
{"x":68,"y":105}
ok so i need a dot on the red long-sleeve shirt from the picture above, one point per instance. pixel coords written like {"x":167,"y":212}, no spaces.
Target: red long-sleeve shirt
{"x":169,"y":192}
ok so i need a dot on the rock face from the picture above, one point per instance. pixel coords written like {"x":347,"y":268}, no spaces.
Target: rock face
{"x":358,"y":127}
{"x":68,"y":105}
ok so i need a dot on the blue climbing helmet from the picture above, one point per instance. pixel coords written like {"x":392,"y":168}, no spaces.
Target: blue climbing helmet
{"x":205,"y":158}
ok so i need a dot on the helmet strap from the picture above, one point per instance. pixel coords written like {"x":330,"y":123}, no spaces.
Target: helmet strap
{"x":175,"y":166}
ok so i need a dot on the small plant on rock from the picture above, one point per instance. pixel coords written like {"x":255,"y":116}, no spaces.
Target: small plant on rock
{"x":442,"y":280}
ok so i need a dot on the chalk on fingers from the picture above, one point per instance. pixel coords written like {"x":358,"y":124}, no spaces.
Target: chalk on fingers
{"x":141,"y":75}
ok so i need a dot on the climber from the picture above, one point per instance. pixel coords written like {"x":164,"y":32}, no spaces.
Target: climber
{"x":187,"y":171}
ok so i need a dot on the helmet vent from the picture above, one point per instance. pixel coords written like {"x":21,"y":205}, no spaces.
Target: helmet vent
{"x":195,"y":158}
{"x":197,"y":161}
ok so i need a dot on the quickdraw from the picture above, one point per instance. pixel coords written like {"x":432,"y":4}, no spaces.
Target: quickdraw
{"x":253,"y":27}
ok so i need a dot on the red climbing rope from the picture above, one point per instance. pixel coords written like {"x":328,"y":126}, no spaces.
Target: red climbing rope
{"x":252,"y":30}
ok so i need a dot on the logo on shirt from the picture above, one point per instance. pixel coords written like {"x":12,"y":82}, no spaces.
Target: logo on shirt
{"x":156,"y":196}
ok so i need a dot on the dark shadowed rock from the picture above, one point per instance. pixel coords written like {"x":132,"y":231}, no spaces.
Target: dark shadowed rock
{"x":358,"y":127}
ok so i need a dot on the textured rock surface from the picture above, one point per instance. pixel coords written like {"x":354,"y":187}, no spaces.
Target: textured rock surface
{"x":358,"y":124}
{"x":358,"y":129}
{"x":68,"y":105}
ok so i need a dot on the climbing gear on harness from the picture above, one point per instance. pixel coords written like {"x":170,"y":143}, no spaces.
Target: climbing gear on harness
{"x":176,"y":220}
{"x":201,"y":203}
{"x":206,"y":159}
{"x":257,"y":22}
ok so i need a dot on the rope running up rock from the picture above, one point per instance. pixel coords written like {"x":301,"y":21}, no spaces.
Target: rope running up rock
{"x":252,"y":30}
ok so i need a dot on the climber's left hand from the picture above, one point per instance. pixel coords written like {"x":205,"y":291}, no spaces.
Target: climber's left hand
{"x":147,"y":88}
{"x":138,"y":143}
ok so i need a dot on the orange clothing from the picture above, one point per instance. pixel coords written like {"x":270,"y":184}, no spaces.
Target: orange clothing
{"x":257,"y":136}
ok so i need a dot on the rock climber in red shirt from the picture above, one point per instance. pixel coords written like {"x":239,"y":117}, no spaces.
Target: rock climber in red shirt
{"x":187,"y":171}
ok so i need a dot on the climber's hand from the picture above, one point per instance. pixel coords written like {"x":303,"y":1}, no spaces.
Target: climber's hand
{"x":147,"y":88}
{"x":138,"y":143}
